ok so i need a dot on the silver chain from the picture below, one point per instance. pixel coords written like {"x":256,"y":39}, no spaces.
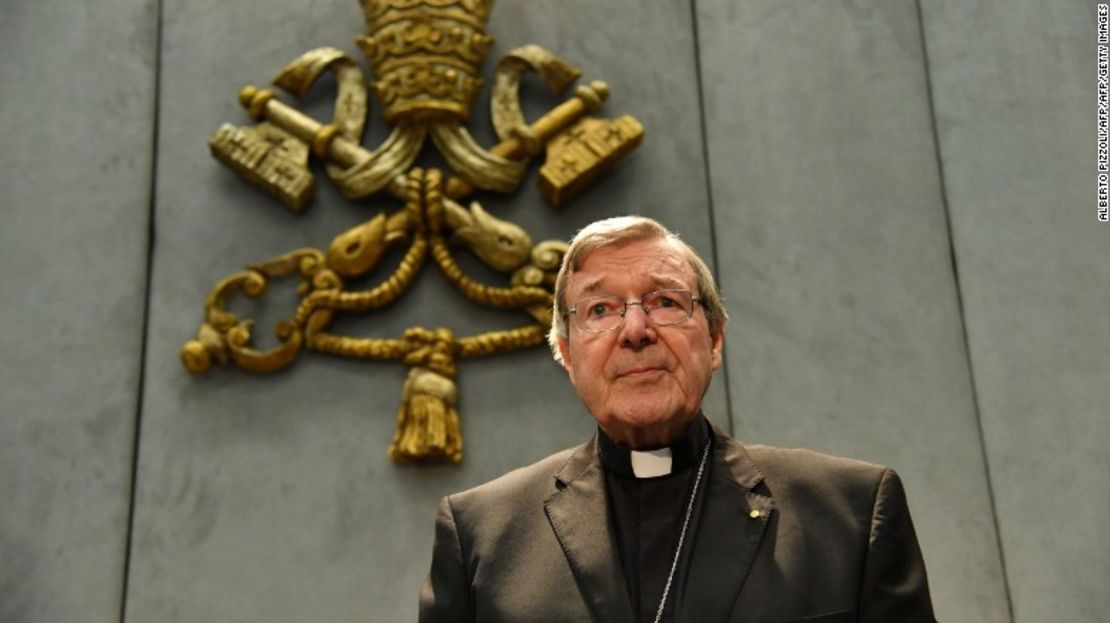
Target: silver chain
{"x":682,"y":535}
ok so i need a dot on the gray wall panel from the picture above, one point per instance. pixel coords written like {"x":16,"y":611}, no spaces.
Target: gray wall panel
{"x":77,"y":112}
{"x":271,"y":498}
{"x":846,"y":333}
{"x":1014,"y":87}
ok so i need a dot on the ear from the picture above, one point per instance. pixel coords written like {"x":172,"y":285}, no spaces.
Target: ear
{"x":718,"y":345}
{"x":564,"y":355}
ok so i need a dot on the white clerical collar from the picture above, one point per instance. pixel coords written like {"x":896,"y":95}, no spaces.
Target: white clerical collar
{"x":651,"y":463}
{"x":681,"y":455}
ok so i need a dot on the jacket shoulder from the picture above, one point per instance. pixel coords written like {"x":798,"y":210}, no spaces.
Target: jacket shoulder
{"x":818,"y":479}
{"x":522,"y":485}
{"x":804,"y":461}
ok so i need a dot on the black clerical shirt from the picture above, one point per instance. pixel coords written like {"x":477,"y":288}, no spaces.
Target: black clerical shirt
{"x":647,"y":516}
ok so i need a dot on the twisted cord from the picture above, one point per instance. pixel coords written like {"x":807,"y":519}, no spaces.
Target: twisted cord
{"x":501,"y":341}
{"x":433,"y":349}
{"x":389,"y":290}
{"x":359,"y":348}
{"x":505,"y":298}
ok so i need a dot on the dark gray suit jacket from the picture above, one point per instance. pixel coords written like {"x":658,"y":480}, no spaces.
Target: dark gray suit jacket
{"x":783,"y":535}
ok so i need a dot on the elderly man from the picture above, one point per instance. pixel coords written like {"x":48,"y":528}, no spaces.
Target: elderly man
{"x":662,"y":516}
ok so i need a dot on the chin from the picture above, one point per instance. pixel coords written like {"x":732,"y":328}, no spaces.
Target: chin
{"x":639,"y":428}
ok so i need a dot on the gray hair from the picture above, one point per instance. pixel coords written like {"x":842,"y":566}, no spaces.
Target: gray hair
{"x":622,"y":230}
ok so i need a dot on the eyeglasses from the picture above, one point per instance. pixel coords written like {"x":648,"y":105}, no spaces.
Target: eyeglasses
{"x":604,"y":313}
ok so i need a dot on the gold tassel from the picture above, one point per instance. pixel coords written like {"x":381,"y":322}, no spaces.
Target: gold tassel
{"x":427,"y":422}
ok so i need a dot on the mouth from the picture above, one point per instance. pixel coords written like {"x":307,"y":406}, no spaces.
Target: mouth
{"x":640,"y":372}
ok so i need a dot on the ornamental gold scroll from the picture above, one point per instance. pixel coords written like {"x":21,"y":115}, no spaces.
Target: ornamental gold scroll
{"x":425,"y":57}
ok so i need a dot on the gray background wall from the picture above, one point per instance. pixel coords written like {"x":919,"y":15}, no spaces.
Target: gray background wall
{"x":898,"y":197}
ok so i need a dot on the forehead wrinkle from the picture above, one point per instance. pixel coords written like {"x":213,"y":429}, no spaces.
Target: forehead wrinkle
{"x":592,"y":286}
{"x":667,"y":281}
{"x":658,"y":280}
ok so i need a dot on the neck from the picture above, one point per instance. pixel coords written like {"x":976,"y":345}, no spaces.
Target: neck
{"x":679,"y":455}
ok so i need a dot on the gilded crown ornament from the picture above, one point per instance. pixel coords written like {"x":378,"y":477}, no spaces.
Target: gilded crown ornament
{"x":425,"y":57}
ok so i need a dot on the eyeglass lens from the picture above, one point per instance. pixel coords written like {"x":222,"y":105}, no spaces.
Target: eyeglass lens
{"x":604,"y":313}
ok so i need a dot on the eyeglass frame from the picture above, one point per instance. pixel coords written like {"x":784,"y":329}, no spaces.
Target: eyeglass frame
{"x":694,"y":300}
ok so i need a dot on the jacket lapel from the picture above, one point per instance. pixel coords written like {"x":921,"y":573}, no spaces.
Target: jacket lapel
{"x":579,"y":515}
{"x":731,"y":527}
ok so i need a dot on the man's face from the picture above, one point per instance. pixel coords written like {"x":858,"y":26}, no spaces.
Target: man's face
{"x":643,"y":383}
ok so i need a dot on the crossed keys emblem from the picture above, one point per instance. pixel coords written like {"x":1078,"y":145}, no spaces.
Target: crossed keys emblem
{"x":425,"y":57}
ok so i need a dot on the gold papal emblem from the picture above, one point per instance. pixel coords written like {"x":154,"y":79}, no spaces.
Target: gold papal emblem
{"x":425,"y":57}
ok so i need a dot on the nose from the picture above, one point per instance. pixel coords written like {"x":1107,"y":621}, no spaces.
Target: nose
{"x":637,"y":330}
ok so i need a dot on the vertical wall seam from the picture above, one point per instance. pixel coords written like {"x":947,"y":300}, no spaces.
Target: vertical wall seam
{"x":144,"y":340}
{"x":709,"y":196}
{"x":954,"y":259}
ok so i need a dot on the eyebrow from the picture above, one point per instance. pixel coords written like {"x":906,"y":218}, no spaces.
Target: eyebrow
{"x":660,"y":281}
